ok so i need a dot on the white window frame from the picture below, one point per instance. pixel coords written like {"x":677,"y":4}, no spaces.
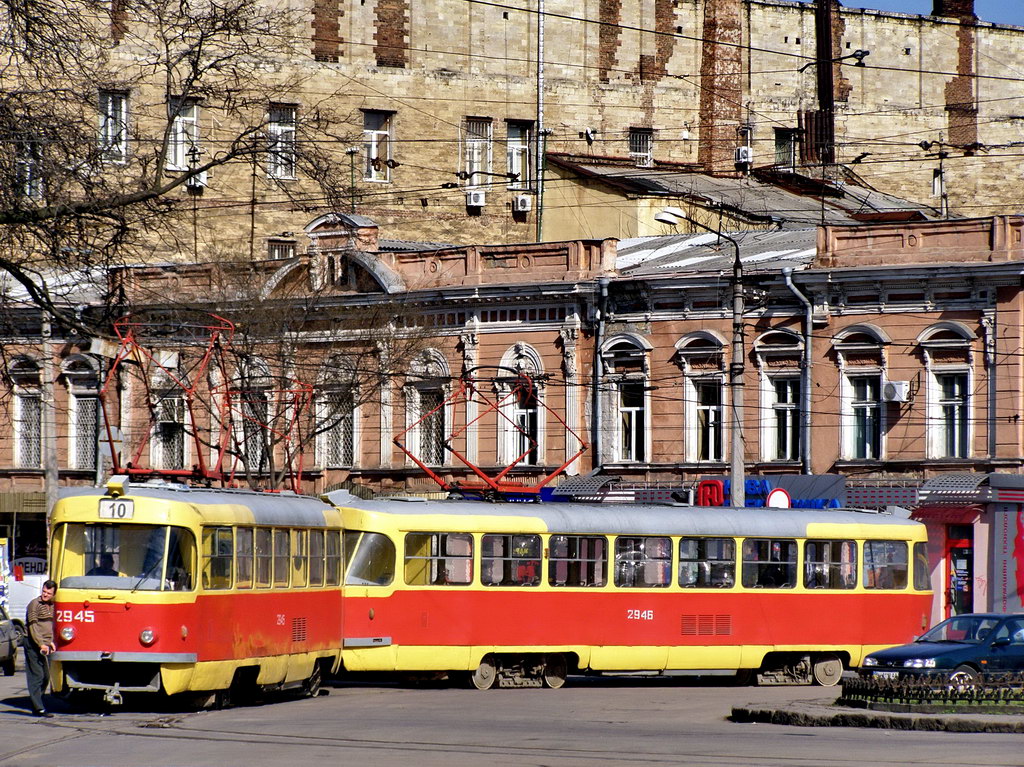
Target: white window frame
{"x":113,"y":126}
{"x":938,"y":434}
{"x":641,"y":147}
{"x":630,"y":426}
{"x":477,"y":151}
{"x":851,"y":407}
{"x":519,"y":154}
{"x":183,"y":140}
{"x":694,"y":408}
{"x":792,"y":416}
{"x":282,"y":120}
{"x":158,"y":446}
{"x":786,"y":148}
{"x":377,"y":143}
{"x":28,"y":163}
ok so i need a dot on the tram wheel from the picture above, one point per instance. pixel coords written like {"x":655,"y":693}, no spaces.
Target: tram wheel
{"x":312,"y":685}
{"x":486,"y":674}
{"x":828,"y":670}
{"x":555,"y":670}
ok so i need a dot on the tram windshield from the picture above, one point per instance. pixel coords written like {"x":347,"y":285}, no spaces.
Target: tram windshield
{"x":369,"y":559}
{"x":128,"y":557}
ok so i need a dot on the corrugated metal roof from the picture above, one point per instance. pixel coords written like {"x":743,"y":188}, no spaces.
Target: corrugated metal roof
{"x":759,"y":251}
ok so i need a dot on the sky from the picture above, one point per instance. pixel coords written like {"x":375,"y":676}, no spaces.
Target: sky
{"x":998,"y":11}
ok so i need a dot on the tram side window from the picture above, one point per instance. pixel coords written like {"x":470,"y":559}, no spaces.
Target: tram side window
{"x":707,"y":563}
{"x":578,"y":560}
{"x":300,"y":558}
{"x":264,"y":557}
{"x":439,"y":558}
{"x":332,"y":557}
{"x":243,"y":558}
{"x":510,"y":560}
{"x":769,"y":563}
{"x":316,"y":557}
{"x":217,"y":550}
{"x":885,"y":564}
{"x":922,"y":578}
{"x":282,"y":557}
{"x":369,"y":559}
{"x":830,"y":564}
{"x":643,"y":562}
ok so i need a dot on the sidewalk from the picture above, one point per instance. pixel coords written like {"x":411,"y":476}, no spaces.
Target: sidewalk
{"x":811,"y":714}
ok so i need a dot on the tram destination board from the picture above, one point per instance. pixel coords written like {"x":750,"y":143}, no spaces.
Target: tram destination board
{"x":116,"y":508}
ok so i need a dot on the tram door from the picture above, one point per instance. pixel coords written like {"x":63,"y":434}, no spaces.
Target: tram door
{"x":959,"y":569}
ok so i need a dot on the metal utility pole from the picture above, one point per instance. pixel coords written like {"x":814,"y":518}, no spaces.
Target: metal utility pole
{"x":737,"y":475}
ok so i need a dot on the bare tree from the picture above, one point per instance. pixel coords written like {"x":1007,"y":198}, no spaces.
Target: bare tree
{"x":101,"y":105}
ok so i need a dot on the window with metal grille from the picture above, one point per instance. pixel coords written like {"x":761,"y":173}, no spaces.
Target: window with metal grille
{"x":641,"y":146}
{"x":337,"y":429}
{"x":170,"y":433}
{"x":477,"y":151}
{"x":578,"y":560}
{"x":280,"y":250}
{"x":29,"y":409}
{"x":86,"y":425}
{"x":281,"y":140}
{"x":432,"y":427}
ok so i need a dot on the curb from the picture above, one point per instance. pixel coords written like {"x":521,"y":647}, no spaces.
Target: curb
{"x":826,"y":715}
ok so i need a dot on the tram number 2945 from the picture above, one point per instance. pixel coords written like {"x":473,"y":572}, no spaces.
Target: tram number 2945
{"x":640,"y":615}
{"x":70,"y":616}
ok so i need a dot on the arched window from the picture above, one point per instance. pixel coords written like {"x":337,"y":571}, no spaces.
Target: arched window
{"x":83,"y":381}
{"x":701,"y":356}
{"x":860,"y":354}
{"x":520,"y":431}
{"x":426,"y":411}
{"x":779,"y":354}
{"x":947,"y":350}
{"x":626,"y":401}
{"x":336,"y":414}
{"x":28,"y":412}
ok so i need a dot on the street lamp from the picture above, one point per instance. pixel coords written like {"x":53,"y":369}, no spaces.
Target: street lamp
{"x":737,"y":478}
{"x":858,"y":54}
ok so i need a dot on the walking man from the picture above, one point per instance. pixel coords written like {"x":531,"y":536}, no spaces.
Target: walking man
{"x":38,"y":644}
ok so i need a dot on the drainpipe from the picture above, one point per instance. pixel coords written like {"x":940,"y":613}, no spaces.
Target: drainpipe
{"x":602,"y":302}
{"x":805,"y":385}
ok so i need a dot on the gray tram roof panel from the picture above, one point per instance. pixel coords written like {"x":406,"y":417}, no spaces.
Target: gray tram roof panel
{"x":630,"y":519}
{"x":267,"y":508}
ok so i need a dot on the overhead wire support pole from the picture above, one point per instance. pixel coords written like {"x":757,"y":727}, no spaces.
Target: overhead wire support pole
{"x":737,"y":475}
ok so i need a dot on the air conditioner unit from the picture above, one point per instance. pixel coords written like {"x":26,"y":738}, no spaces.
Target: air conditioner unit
{"x":744,"y":155}
{"x":896,"y":391}
{"x":476,"y":198}
{"x":198,"y":181}
{"x":522,"y":203}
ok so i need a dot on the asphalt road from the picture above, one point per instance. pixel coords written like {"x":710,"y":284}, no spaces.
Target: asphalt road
{"x":589,"y":722}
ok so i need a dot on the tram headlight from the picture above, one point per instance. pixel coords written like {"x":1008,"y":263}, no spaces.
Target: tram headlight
{"x":67,"y":633}
{"x":147,"y":637}
{"x":919,"y":663}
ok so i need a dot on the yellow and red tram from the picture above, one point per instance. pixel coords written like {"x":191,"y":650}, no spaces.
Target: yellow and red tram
{"x":523,"y":593}
{"x":163,"y":588}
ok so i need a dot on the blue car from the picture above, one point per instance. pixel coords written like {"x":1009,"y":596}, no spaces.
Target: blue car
{"x":959,"y":648}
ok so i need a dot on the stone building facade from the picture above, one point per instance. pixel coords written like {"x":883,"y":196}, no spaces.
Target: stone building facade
{"x":448,"y":113}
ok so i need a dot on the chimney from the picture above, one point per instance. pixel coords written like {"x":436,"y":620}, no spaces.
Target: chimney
{"x":721,"y":93}
{"x":956,"y":9}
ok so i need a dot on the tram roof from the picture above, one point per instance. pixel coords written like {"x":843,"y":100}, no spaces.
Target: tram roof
{"x":626,"y":519}
{"x":266,"y":508}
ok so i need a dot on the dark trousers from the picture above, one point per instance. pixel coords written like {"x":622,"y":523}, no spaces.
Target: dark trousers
{"x":37,"y":670}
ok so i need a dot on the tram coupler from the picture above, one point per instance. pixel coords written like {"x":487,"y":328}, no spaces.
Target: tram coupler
{"x":112,"y":696}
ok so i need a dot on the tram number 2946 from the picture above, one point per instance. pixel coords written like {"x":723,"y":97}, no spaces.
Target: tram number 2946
{"x":640,"y":615}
